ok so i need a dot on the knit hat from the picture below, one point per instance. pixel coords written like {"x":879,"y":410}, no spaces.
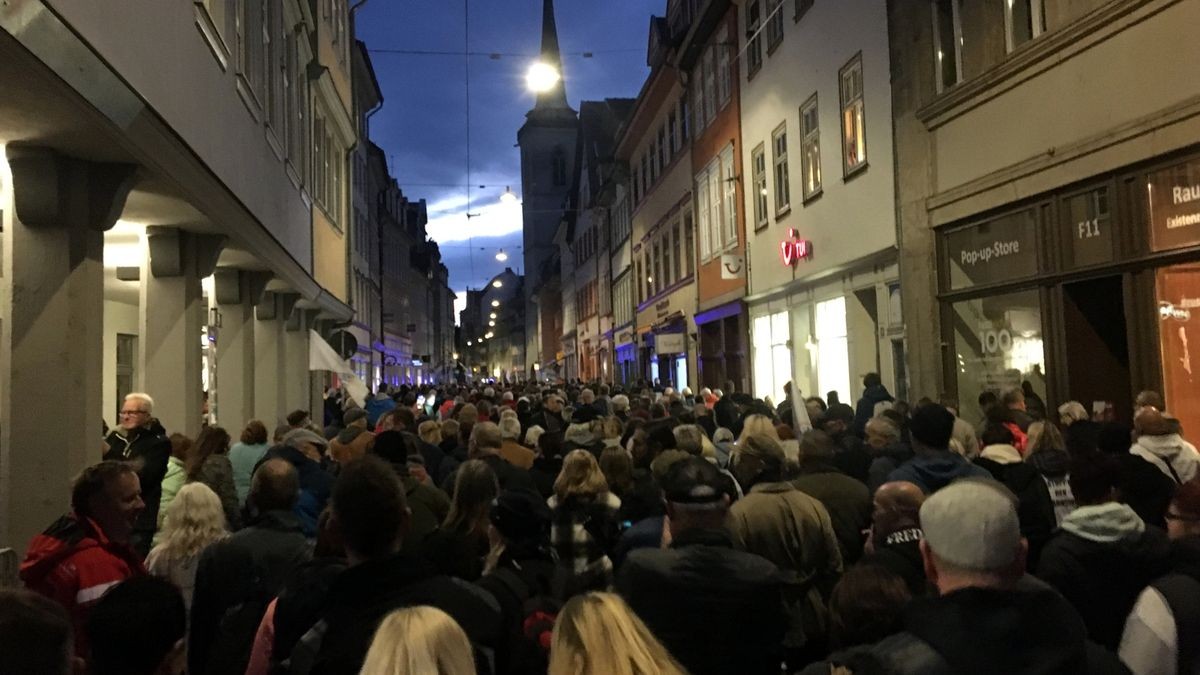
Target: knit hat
{"x":353,"y":415}
{"x":520,"y":515}
{"x":295,"y":437}
{"x":972,"y":524}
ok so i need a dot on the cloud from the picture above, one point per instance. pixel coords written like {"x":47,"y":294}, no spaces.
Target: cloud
{"x":492,"y":220}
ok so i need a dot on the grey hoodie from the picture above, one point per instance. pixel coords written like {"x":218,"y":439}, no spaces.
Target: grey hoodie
{"x":1172,"y":455}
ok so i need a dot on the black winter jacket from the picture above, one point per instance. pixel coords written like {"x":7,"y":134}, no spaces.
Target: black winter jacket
{"x":148,"y":449}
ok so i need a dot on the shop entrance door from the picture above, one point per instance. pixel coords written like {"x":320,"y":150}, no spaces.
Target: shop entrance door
{"x":1097,"y":346}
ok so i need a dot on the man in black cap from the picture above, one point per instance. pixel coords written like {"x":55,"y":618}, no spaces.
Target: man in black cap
{"x":718,"y":610}
{"x":853,"y":457}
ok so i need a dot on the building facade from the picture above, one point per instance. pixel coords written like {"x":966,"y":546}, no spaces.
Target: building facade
{"x":492,"y":330}
{"x":1050,"y":221}
{"x":817,"y":160}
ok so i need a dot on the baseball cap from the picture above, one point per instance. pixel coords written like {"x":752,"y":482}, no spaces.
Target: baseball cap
{"x":297,"y":436}
{"x":972,"y":524}
{"x":692,"y":480}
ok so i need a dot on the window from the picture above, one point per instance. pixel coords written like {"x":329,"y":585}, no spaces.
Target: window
{"x":810,"y":148}
{"x":251,"y":43}
{"x":127,"y":356}
{"x":558,"y":162}
{"x":783,"y":191}
{"x":724,"y":90}
{"x":683,"y":121}
{"x":774,"y":24}
{"x":753,"y":37}
{"x":802,"y":7}
{"x":715,"y":213}
{"x":854,"y":133}
{"x":273,"y":68}
{"x":833,"y":347}
{"x":689,"y":239}
{"x":710,"y":86}
{"x":947,"y":43}
{"x":676,"y":251}
{"x":729,"y":198}
{"x":328,"y":169}
{"x":647,"y":173}
{"x":1025,"y":20}
{"x":758,"y":163}
{"x":703,"y":214}
{"x":672,"y":135}
{"x":620,"y":220}
{"x":635,"y":184}
{"x":218,"y":19}
{"x":716,"y":202}
{"x":698,"y":97}
{"x":622,"y":301}
{"x":772,"y":355}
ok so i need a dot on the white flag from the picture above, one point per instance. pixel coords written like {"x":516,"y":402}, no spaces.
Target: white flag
{"x":800,"y":420}
{"x":322,"y":357}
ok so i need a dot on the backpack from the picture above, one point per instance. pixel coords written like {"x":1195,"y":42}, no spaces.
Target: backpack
{"x":537,"y":615}
{"x":1182,"y":593}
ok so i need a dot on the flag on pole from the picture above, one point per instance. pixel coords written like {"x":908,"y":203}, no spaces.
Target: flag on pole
{"x":799,"y":411}
{"x":321,"y":356}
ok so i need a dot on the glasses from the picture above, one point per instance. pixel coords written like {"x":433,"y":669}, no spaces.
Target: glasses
{"x":130,"y":413}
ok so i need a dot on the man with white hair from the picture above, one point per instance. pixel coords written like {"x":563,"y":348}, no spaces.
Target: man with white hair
{"x":510,"y":444}
{"x":140,"y":440}
{"x":620,"y":406}
{"x":987,"y":618}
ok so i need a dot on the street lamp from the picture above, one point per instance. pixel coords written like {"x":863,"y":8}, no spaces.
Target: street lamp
{"x":508,"y":197}
{"x":495,"y":303}
{"x":501,"y":255}
{"x":492,"y":315}
{"x":489,"y":335}
{"x":468,"y":343}
{"x":491,"y":324}
{"x":541,"y":77}
{"x":497,"y":283}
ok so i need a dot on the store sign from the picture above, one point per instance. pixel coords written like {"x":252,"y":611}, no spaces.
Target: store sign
{"x":1087,"y":219}
{"x":669,"y":343}
{"x":733,"y":266}
{"x":1173,"y":200}
{"x":795,"y":249}
{"x":998,"y":250}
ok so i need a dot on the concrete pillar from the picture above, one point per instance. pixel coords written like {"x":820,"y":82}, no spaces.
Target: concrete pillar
{"x":51,"y":326}
{"x":172,"y":312}
{"x":298,"y":392}
{"x":237,"y":293}
{"x":269,"y":398}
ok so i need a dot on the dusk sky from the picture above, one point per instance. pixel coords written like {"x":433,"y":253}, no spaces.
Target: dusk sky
{"x":423,"y":123}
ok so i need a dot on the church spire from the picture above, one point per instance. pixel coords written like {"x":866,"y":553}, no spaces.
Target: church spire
{"x":556,"y":97}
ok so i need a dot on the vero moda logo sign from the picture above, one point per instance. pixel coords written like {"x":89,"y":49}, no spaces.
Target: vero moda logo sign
{"x":997,"y":250}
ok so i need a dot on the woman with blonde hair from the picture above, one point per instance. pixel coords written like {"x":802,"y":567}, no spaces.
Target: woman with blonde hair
{"x":597,"y":634}
{"x":757,"y":424}
{"x":417,"y":641}
{"x":194,"y":519}
{"x":430,"y":432}
{"x":583,"y":527}
{"x":1046,"y":451}
{"x":458,"y":548}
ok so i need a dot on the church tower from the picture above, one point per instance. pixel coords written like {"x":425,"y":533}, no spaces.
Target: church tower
{"x":547,"y":141}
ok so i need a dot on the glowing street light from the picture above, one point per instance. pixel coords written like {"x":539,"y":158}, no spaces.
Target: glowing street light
{"x":495,"y":303}
{"x":497,"y":283}
{"x":492,"y":316}
{"x":541,"y":77}
{"x":491,"y":324}
{"x":468,"y":343}
{"x":501,"y":255}
{"x":489,"y":335}
{"x":509,"y":197}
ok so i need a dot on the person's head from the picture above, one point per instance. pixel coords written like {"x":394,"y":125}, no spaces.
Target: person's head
{"x":1152,"y":422}
{"x":758,"y":425}
{"x":1043,"y":436}
{"x":816,"y":447}
{"x":35,"y":635}
{"x":837,"y":419}
{"x":281,"y":432}
{"x":598,"y":634}
{"x":988,"y":400}
{"x":617,"y":466}
{"x":136,"y":411}
{"x":450,"y":430}
{"x":997,"y":434}
{"x":610,"y":428}
{"x":370,"y":511}
{"x":722,"y":435}
{"x":972,"y":538}
{"x":931,"y":427}
{"x":430,"y":432}
{"x":297,"y":419}
{"x":485,"y":440}
{"x":1071,"y":412}
{"x":688,"y":438}
{"x":1183,"y":515}
{"x":1013,"y":398}
{"x":194,"y":519}
{"x":211,"y":441}
{"x":587,"y":397}
{"x":275,"y":486}
{"x":138,"y":628}
{"x":475,"y":486}
{"x":758,"y":458}
{"x":520,"y":519}
{"x":580,"y":476}
{"x":1094,"y":479}
{"x":468,"y":414}
{"x":1149,"y":399}
{"x":308,"y":443}
{"x":553,"y":404}
{"x":402,"y":419}
{"x":896,"y":506}
{"x":620,"y":403}
{"x":866,"y":605}
{"x":419,"y":640}
{"x":695,"y":496}
{"x":882,"y":432}
{"x":254,"y":433}
{"x":510,"y":429}
{"x":872,"y":380}
{"x":110,"y":494}
{"x":180,"y":446}
{"x":355,"y":417}
{"x":533,"y":437}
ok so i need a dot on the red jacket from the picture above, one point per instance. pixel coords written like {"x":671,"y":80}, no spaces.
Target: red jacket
{"x":73,"y":563}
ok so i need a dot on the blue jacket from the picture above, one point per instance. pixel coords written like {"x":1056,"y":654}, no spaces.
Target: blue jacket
{"x":316,"y":484}
{"x":934,"y":472}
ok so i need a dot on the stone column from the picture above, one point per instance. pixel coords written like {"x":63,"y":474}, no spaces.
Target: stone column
{"x":269,"y":366}
{"x":295,"y":374}
{"x":237,"y":293}
{"x":51,"y":329}
{"x":172,"y":313}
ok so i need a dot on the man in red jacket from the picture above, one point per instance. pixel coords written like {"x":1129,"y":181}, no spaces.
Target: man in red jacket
{"x":86,"y":552}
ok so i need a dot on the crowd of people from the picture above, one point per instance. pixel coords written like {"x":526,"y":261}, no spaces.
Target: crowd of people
{"x":597,"y":530}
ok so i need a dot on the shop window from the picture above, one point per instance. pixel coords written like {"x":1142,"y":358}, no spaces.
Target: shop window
{"x":947,"y":43}
{"x":772,"y":355}
{"x":998,"y":344}
{"x":810,"y":152}
{"x":833,"y":349}
{"x":758,"y":164}
{"x":854,"y":130}
{"x":1025,"y":20}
